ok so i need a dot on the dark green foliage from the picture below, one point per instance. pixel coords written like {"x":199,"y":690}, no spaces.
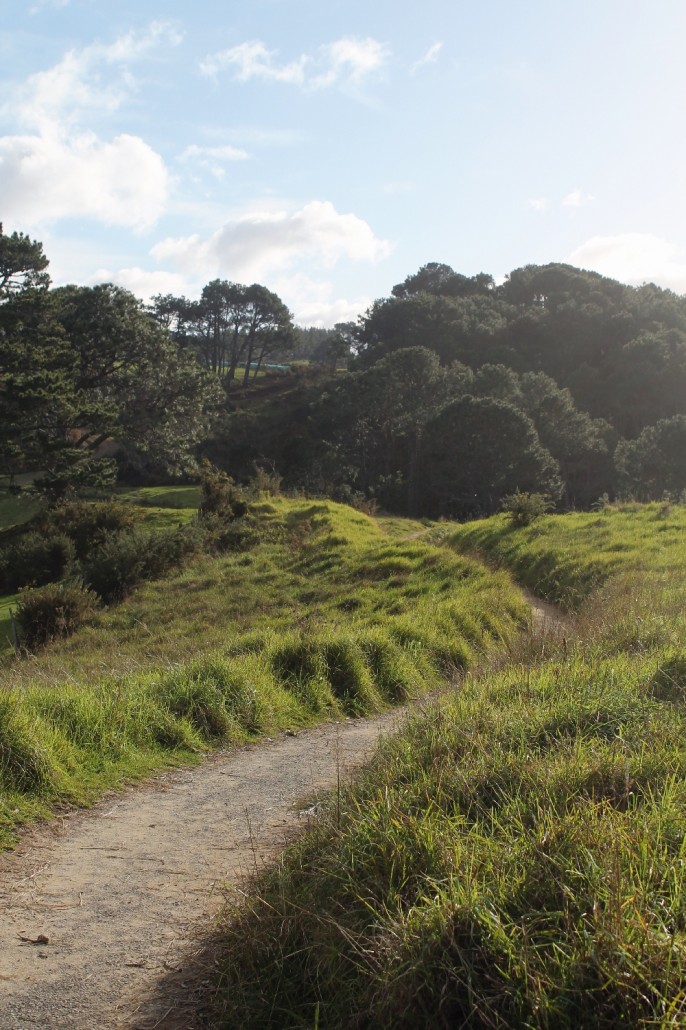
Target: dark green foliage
{"x":87,"y":523}
{"x":219,"y":495}
{"x":53,"y":611}
{"x":476,"y":451}
{"x":34,"y":560}
{"x":22,"y":264}
{"x":655,"y":463}
{"x":122,"y":560}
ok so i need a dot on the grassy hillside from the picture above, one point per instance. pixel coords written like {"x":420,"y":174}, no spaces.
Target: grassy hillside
{"x":327,"y":615}
{"x":160,"y":508}
{"x":564,"y":558}
{"x":515,"y":857}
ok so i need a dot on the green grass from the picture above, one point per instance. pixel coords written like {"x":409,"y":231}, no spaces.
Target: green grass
{"x":564,"y":558}
{"x":160,"y":508}
{"x":15,"y":509}
{"x":515,"y":857}
{"x":7,"y":603}
{"x":187,"y":497}
{"x":327,"y":616}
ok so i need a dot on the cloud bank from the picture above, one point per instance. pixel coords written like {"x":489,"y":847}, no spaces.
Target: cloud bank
{"x":260,"y":243}
{"x":634,"y":258}
{"x":62,"y":168}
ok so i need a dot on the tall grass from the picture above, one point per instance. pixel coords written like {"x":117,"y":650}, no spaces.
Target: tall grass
{"x":326,"y":617}
{"x":564,"y":558}
{"x":516,"y":856}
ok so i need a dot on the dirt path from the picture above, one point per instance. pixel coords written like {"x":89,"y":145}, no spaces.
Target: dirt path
{"x":547,"y":619}
{"x":117,"y":891}
{"x":101,"y":911}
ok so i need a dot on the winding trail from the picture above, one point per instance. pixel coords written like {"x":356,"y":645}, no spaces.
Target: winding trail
{"x":102,"y":912}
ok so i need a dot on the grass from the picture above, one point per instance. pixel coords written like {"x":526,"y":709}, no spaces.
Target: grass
{"x":515,"y":857}
{"x":15,"y":509}
{"x":564,"y":558}
{"x":327,"y":616}
{"x":160,"y":508}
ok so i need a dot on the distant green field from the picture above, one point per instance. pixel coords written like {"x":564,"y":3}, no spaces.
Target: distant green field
{"x":187,"y":497}
{"x":15,"y":509}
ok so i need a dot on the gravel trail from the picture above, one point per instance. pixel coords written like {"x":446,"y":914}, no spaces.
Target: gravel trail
{"x":100,"y":911}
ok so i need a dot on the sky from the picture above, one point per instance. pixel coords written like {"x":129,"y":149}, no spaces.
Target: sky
{"x":329,"y":148}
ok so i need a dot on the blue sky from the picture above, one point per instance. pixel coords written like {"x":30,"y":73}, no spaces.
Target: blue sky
{"x":328,"y":149}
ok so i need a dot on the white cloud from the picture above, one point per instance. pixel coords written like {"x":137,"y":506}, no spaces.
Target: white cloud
{"x":47,"y":177}
{"x":64,"y":169}
{"x":348,"y":61}
{"x":430,"y":57}
{"x":577,"y":199}
{"x":146,"y":285}
{"x":259,"y":243}
{"x":213,"y":159}
{"x":94,"y":79}
{"x":398,"y":186}
{"x":253,"y":60}
{"x":634,"y":258}
{"x":538,"y":203}
{"x":312,"y":302}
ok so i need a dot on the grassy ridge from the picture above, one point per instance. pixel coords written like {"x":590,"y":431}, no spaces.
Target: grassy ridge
{"x":516,"y":857}
{"x":326,"y":616}
{"x":564,"y":558}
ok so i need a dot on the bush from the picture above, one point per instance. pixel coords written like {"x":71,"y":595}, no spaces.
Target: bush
{"x":237,"y":535}
{"x":34,"y":560}
{"x":219,"y":495}
{"x":53,"y":611}
{"x":122,"y":560}
{"x":523,"y":508}
{"x":89,"y":522}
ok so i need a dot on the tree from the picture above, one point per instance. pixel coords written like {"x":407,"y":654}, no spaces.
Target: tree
{"x":581,"y":445}
{"x":477,"y":450}
{"x":442,"y":281}
{"x":39,"y":402}
{"x":230,"y":324}
{"x":268,"y":327}
{"x":654,"y":463}
{"x":157,"y":402}
{"x":22,"y":264}
{"x":371,"y":423}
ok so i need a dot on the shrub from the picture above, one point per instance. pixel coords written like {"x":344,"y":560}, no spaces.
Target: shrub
{"x":237,"y":535}
{"x":89,"y":522}
{"x":122,"y":560}
{"x":523,"y":508}
{"x":53,"y":611}
{"x":34,"y":560}
{"x":219,"y":495}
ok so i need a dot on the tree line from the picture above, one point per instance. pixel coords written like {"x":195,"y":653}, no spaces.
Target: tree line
{"x":457,"y":391}
{"x":460,"y":391}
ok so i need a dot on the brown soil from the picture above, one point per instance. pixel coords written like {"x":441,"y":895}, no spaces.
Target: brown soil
{"x":102,"y":910}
